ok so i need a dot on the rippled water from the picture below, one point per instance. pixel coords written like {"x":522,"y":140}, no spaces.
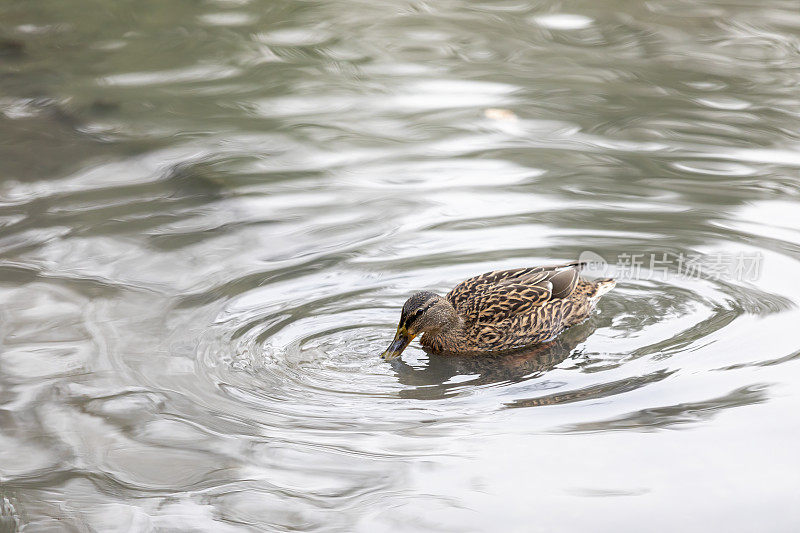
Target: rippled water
{"x":212,"y":211}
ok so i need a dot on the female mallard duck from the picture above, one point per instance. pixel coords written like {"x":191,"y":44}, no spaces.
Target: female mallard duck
{"x":499,"y":311}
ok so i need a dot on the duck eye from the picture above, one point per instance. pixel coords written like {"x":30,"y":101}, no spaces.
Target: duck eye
{"x":420,"y":311}
{"x":413,"y":316}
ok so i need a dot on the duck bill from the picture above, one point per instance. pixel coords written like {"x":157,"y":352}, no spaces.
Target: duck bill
{"x":401,"y":340}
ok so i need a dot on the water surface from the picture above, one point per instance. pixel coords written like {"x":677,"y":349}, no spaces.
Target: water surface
{"x":212,"y":211}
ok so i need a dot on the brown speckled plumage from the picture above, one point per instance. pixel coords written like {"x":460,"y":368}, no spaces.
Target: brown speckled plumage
{"x":499,"y":311}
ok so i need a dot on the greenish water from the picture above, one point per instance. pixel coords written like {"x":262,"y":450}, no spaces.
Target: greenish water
{"x":212,"y":211}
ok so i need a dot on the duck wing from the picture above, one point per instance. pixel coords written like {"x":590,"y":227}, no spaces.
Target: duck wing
{"x":461,"y":295}
{"x":495,"y":296}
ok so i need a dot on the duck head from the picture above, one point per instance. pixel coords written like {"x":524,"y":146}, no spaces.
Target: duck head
{"x":424,"y":312}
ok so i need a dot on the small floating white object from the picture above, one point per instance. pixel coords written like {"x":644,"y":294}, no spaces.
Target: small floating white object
{"x":563,"y":21}
{"x":496,"y":113}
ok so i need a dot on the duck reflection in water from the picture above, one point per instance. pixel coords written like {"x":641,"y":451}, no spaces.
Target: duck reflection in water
{"x":436,"y":379}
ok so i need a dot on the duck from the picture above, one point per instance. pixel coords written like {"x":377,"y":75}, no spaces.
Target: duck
{"x":501,"y":311}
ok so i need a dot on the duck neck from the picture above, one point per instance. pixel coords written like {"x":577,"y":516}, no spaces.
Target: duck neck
{"x":452,"y":329}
